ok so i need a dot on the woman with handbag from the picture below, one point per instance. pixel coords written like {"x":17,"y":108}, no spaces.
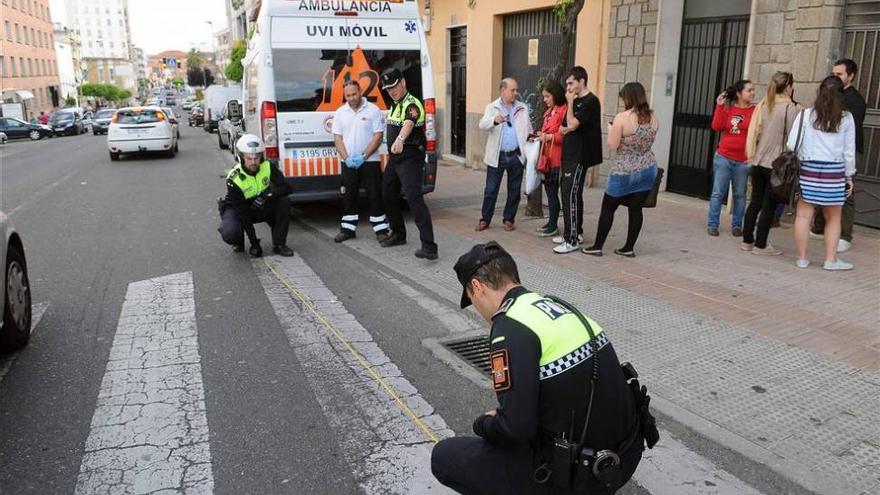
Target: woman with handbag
{"x":733,"y":114}
{"x":824,"y":139}
{"x":632,"y":135}
{"x":773,"y":119}
{"x":550,"y":160}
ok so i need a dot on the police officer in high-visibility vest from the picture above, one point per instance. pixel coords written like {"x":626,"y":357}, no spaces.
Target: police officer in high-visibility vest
{"x":570,"y":420}
{"x":405,"y":136}
{"x":255,"y":192}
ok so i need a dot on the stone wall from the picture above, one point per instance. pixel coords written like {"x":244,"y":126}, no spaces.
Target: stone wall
{"x":798,"y":36}
{"x":632,"y":28}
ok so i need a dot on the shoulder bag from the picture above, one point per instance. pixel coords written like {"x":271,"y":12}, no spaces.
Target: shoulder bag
{"x":786,"y":167}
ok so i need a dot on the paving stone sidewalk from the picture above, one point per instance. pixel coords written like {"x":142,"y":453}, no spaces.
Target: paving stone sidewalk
{"x":784,"y":361}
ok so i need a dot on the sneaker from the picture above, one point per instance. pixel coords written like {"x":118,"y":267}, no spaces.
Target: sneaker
{"x":542,"y":228}
{"x":814,"y":235}
{"x":625,"y":254}
{"x":747,"y":246}
{"x":767,"y":251}
{"x":426,"y":254}
{"x":592,"y":251}
{"x":736,"y":232}
{"x":802,"y":263}
{"x":548,"y":232}
{"x":343,"y":236}
{"x":566,"y":248}
{"x":559,"y":239}
{"x":843,"y":246}
{"x":712,"y":231}
{"x":837,"y":265}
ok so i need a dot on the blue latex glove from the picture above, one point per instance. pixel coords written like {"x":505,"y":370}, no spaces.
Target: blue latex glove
{"x":355,"y":161}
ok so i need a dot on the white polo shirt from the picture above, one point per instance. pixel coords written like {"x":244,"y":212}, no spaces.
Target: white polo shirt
{"x":358,"y":127}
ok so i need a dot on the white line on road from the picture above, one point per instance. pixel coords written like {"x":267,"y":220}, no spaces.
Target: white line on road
{"x":149,"y":432}
{"x":38,"y":311}
{"x":387,"y":452}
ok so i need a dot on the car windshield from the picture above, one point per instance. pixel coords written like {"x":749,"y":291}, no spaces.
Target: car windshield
{"x":137,"y":116}
{"x":61,"y":117}
{"x":104,"y":114}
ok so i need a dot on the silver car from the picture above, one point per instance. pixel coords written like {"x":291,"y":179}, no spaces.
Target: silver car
{"x":16,"y":291}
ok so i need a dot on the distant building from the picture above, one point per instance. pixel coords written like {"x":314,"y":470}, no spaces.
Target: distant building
{"x":68,"y":52}
{"x":28,"y":65}
{"x":105,"y":33}
{"x":166,"y":65}
{"x":223,"y":42}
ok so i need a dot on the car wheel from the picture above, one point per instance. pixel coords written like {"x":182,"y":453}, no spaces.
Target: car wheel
{"x":176,"y":147}
{"x":114,"y":156}
{"x":17,"y":304}
{"x":35,"y":135}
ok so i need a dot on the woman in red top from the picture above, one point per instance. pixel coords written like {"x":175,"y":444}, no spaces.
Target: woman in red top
{"x":554,"y":100}
{"x":733,"y":113}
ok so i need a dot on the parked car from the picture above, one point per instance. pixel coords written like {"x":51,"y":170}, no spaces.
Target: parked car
{"x":101,"y":122}
{"x":87,"y":120}
{"x":141,"y":129}
{"x":67,"y":122}
{"x":15,"y":328}
{"x":215,"y":99}
{"x":14,"y":128}
{"x":188,"y":104}
{"x":174,"y":121}
{"x":196,"y":117}
{"x":229,"y":128}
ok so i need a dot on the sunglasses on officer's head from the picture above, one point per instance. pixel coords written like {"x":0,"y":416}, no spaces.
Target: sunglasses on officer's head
{"x":508,"y":122}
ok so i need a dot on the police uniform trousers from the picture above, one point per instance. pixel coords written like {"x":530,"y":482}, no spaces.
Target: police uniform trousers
{"x":276,"y":212}
{"x":405,"y":172}
{"x":369,"y":175}
{"x":473,"y":466}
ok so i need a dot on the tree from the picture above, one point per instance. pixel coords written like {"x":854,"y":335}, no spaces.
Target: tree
{"x":235,"y":71}
{"x":194,"y":59}
{"x":70,"y":101}
{"x":567,"y":12}
{"x":143,"y":83}
{"x":177,"y":81}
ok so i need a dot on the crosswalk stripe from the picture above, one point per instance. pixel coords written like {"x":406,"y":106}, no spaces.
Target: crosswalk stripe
{"x":387,"y":451}
{"x":149,"y":432}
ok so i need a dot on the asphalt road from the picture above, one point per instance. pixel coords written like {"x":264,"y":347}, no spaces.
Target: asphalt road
{"x":281,"y":415}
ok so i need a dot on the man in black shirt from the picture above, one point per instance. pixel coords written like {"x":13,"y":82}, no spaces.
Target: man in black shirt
{"x":550,"y":366}
{"x":581,"y":149}
{"x":846,"y":70}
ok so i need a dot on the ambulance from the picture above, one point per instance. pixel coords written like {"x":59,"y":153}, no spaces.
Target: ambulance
{"x":298,"y":59}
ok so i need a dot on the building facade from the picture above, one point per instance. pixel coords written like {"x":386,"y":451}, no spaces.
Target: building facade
{"x":161,"y":69}
{"x":105,"y":34}
{"x":474,"y":43}
{"x":686,"y":52}
{"x":67,"y":49}
{"x":28,"y":65}
{"x":238,"y":14}
{"x":223,"y":45}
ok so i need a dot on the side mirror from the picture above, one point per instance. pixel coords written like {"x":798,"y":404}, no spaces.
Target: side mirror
{"x":233,"y":110}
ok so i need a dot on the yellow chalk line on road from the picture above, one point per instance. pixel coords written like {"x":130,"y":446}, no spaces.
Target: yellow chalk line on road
{"x":345,"y":343}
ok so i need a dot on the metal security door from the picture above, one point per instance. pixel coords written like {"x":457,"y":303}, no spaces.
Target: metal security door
{"x":712,"y":57}
{"x":531,"y":44}
{"x":458,"y":59}
{"x":861,"y":42}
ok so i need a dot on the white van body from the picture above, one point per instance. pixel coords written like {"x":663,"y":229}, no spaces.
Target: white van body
{"x":297,"y":61}
{"x":215,"y":100}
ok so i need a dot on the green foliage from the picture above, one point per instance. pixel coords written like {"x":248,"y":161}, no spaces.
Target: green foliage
{"x":235,"y":71}
{"x":561,"y":9}
{"x":108,"y":92}
{"x":70,"y":101}
{"x":194,"y":59}
{"x":177,"y":81}
{"x":143,"y":82}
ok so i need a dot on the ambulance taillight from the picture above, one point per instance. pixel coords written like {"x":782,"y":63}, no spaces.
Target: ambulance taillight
{"x":269,"y":126}
{"x":430,"y":131}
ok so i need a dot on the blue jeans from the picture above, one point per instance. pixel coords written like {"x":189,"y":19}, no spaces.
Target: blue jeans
{"x":727,"y":171}
{"x":514,"y":169}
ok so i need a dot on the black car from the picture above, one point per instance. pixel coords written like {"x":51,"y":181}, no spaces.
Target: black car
{"x":14,"y":128}
{"x":101,"y":121}
{"x":196,"y":117}
{"x":67,"y":123}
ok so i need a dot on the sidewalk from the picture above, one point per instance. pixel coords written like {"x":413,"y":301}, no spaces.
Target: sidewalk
{"x":777,"y":363}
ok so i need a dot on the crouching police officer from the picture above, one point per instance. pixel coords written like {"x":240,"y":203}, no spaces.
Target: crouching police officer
{"x":571,"y":419}
{"x":255,"y":192}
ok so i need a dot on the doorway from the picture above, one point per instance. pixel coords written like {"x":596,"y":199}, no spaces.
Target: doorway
{"x":458,"y":108}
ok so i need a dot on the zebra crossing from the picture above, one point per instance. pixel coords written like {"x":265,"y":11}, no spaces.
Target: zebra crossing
{"x":149,"y":431}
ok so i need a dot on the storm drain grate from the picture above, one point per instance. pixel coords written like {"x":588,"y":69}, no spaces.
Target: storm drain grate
{"x":475,"y":351}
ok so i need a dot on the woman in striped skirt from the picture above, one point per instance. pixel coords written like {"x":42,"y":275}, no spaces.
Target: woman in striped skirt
{"x":827,"y":151}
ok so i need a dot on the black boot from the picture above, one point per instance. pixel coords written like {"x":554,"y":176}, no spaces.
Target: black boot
{"x":282,"y":250}
{"x":238,"y":248}
{"x":394,"y":240}
{"x":426,"y":253}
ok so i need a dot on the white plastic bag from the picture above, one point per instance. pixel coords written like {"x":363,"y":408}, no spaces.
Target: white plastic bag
{"x":532,"y":152}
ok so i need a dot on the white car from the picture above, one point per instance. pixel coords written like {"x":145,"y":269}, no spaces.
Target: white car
{"x":140,"y":129}
{"x":15,"y":327}
{"x":175,"y":122}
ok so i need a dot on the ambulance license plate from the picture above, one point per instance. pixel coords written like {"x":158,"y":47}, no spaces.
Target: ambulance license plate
{"x":309,"y":153}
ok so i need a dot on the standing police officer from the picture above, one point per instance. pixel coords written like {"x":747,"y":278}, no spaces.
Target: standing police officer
{"x":405,"y":136}
{"x":255,"y":192}
{"x":570,"y":418}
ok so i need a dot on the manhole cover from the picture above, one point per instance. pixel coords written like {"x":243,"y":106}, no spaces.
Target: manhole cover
{"x":474,"y":351}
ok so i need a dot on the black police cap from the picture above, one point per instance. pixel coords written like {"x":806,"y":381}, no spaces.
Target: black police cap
{"x":471,"y":261}
{"x":390,"y":78}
